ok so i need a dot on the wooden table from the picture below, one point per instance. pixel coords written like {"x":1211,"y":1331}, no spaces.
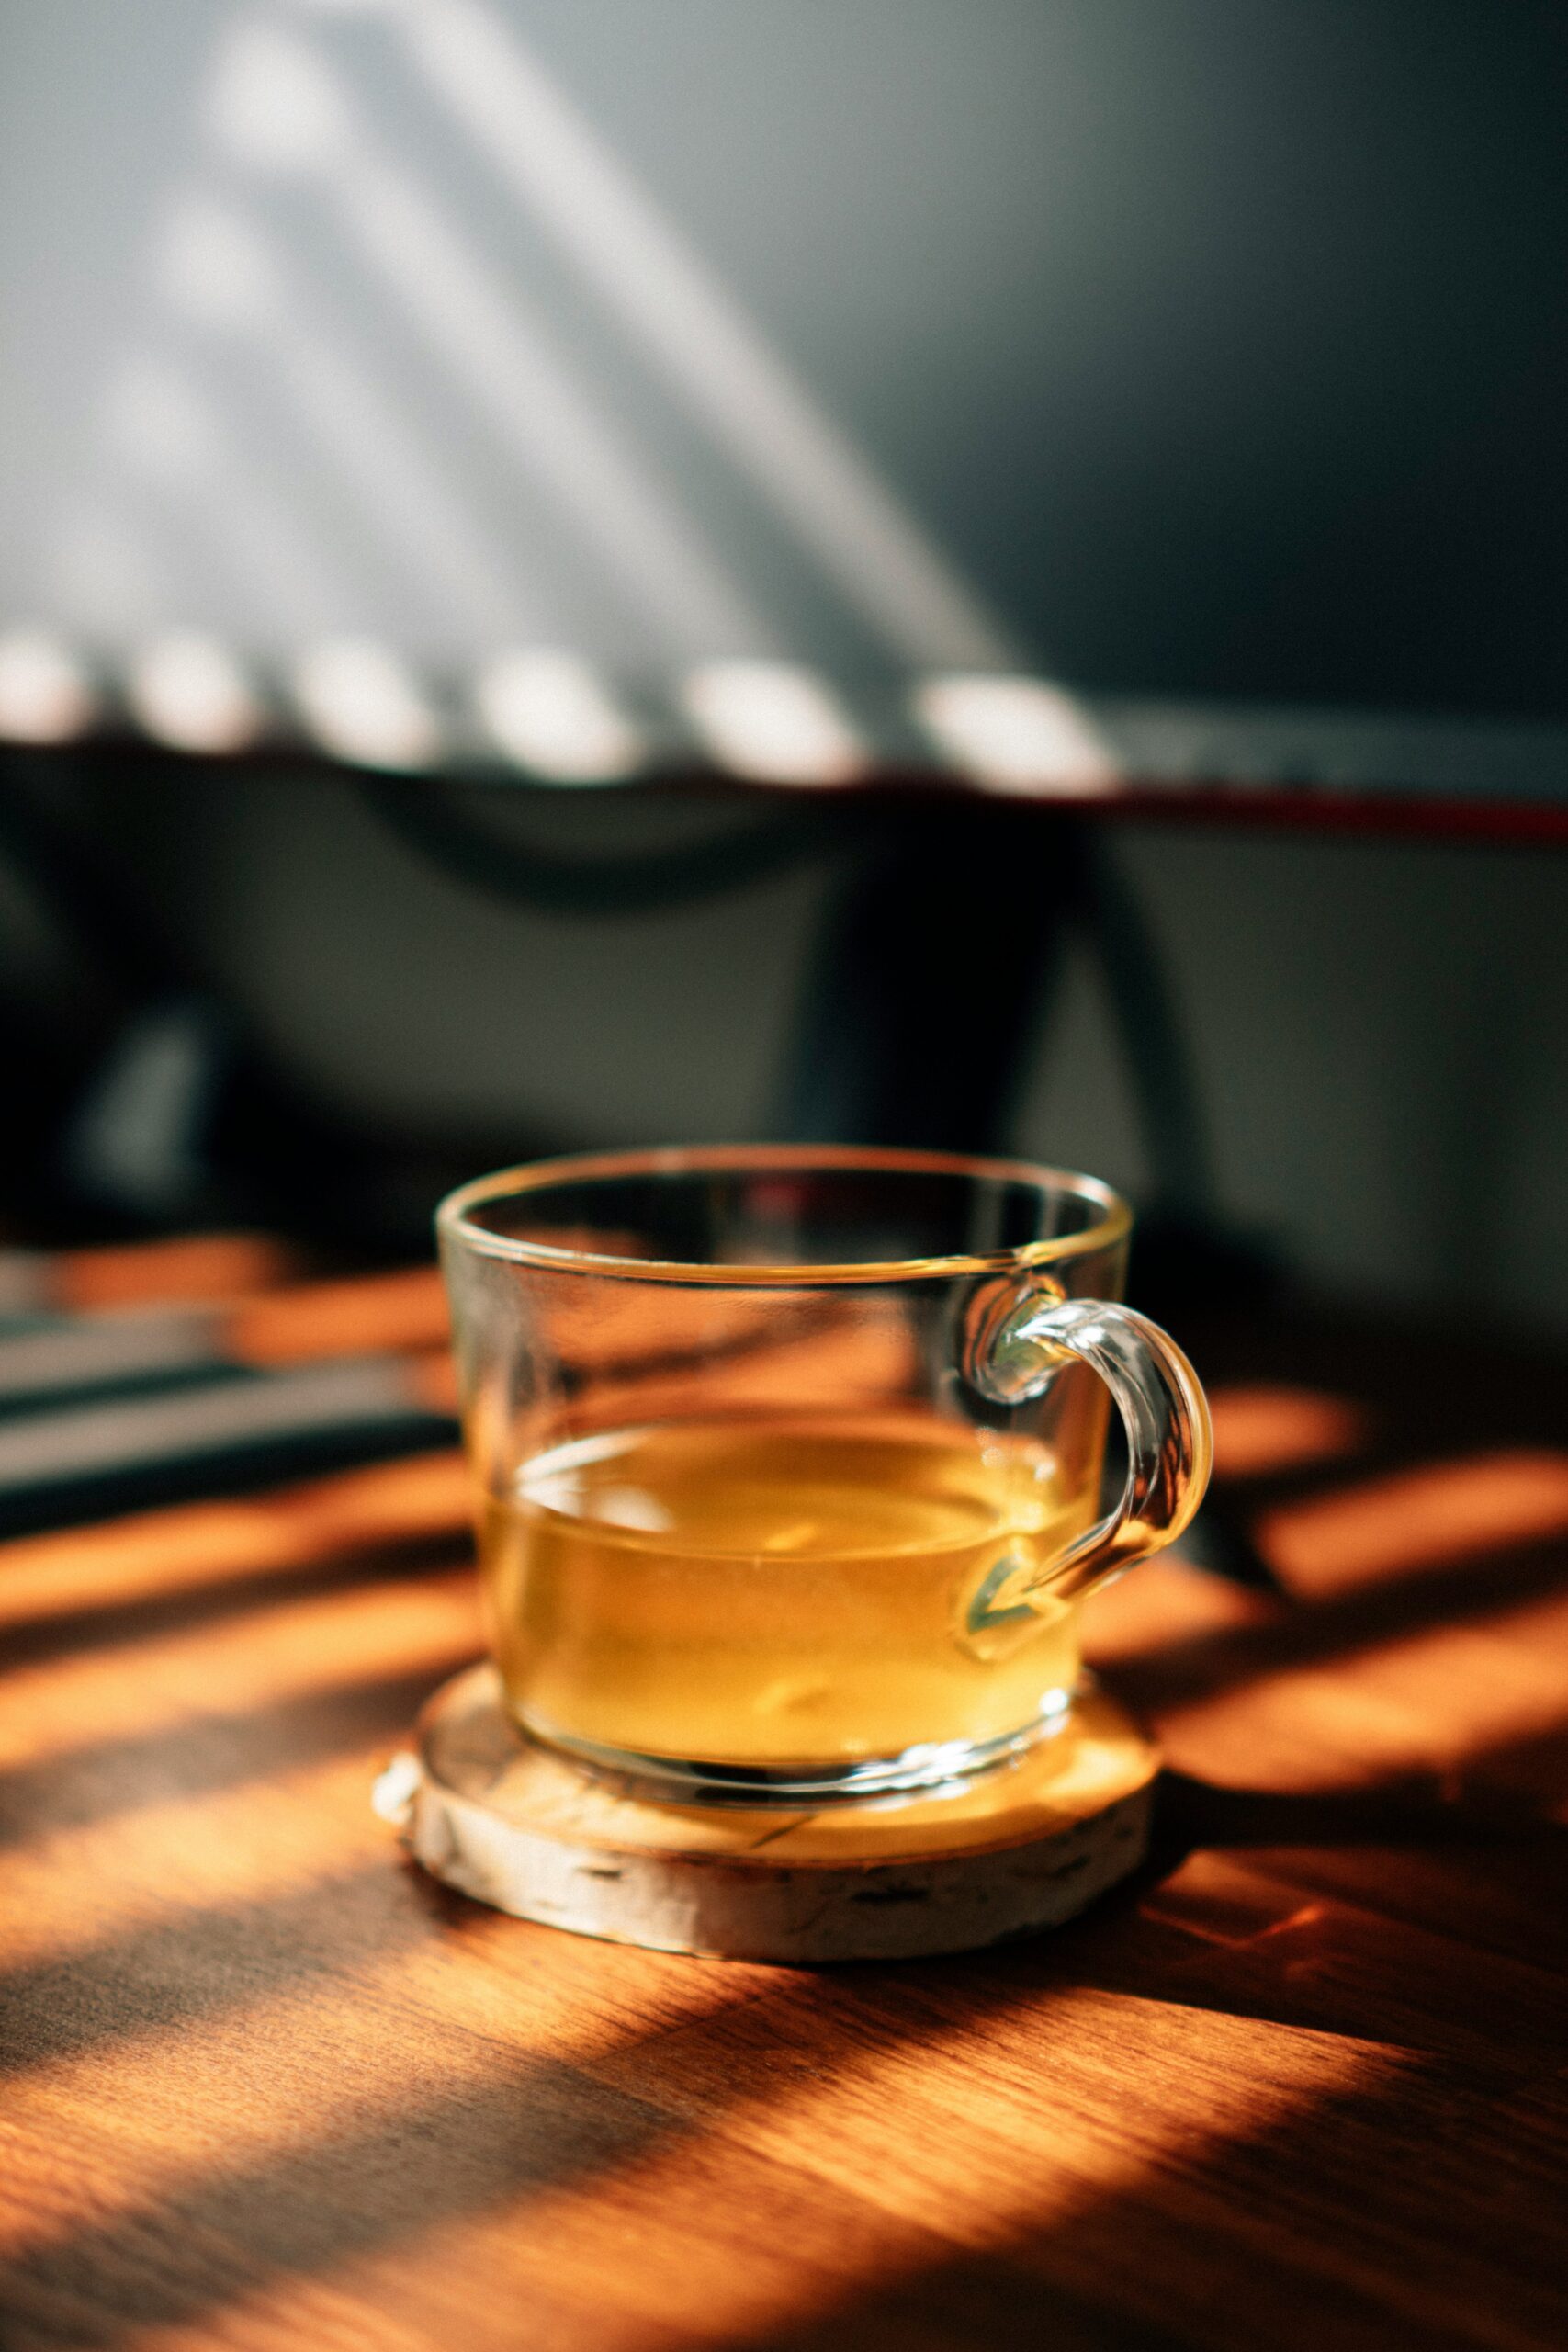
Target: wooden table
{"x":1302,"y":2084}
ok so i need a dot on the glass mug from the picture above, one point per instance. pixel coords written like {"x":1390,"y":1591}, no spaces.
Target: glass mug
{"x":789,"y":1459}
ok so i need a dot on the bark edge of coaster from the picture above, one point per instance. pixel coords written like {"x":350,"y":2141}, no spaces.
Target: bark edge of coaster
{"x":1023,"y":1848}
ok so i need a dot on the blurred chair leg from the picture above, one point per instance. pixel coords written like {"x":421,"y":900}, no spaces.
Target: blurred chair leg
{"x":928,"y":980}
{"x":924,"y":998}
{"x":1162,"y":1074}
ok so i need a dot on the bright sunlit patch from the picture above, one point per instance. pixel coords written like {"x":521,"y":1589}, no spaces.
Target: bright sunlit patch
{"x":44,"y":693}
{"x":212,"y":264}
{"x":550,"y":712}
{"x":187,"y":690}
{"x":102,"y":573}
{"x":162,"y":1273}
{"x":1265,"y":1426}
{"x":159,"y":423}
{"x":272,"y":106}
{"x":280,"y":1650}
{"x":1427,"y":1518}
{"x":1016,"y":734}
{"x":773,"y":721}
{"x":361,"y":1315}
{"x":361,"y":704}
{"x":157,"y":1552}
{"x":1166,"y":1605}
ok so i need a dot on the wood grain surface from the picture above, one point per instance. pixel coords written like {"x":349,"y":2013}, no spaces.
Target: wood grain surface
{"x":1303,"y":2082}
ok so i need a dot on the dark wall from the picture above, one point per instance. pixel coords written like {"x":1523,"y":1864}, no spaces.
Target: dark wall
{"x":1219,"y":343}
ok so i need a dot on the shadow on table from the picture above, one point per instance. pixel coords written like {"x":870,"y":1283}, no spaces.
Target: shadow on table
{"x":1383,"y":2211}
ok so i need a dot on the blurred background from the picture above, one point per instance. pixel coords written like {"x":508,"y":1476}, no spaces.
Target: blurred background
{"x":574,"y":572}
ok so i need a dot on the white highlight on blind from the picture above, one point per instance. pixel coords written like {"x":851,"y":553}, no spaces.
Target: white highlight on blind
{"x":45,"y":696}
{"x":550,"y":713}
{"x":1016,"y":734}
{"x":187,"y":691}
{"x":361,"y":705}
{"x":773,"y":721}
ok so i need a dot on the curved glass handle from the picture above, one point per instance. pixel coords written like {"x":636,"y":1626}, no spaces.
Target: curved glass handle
{"x":1170,"y":1438}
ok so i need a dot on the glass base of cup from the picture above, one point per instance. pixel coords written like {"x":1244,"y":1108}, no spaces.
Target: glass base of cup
{"x":938,"y":1769}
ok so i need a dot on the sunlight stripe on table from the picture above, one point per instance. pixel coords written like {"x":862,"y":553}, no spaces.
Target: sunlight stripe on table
{"x":257,"y":1659}
{"x":253,"y":1842}
{"x":1263,"y":1426}
{"x":992,"y":2149}
{"x":1417,"y":1518}
{"x":130,"y":2119}
{"x":794,"y":2090}
{"x":1366,"y":1714}
{"x":154,"y":1554}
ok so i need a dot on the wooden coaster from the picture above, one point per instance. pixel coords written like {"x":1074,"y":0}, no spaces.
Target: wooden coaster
{"x":1020,"y":1848}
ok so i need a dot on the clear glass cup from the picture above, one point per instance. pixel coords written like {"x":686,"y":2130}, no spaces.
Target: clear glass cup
{"x":789,"y":1459}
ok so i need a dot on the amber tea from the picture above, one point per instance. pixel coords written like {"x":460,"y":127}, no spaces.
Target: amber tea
{"x":791,"y":1457}
{"x":785,"y":1596}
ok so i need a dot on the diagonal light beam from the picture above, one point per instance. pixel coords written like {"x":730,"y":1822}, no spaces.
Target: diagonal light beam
{"x":166,"y":433}
{"x":101,"y":574}
{"x":550,"y":158}
{"x":217,"y":267}
{"x":275,"y":106}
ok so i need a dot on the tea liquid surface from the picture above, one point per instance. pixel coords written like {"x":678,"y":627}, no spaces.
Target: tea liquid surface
{"x":777,"y":1594}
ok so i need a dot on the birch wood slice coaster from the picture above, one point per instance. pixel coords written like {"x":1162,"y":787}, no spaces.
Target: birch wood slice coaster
{"x":1022,"y":1848}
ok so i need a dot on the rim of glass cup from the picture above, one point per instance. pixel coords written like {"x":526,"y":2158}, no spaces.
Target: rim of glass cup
{"x":455,"y":1222}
